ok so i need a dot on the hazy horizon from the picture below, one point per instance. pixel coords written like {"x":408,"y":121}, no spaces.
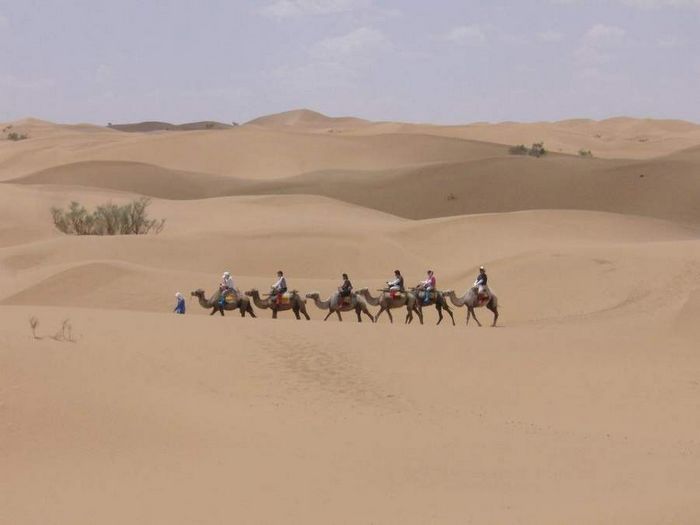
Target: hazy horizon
{"x":448,"y":62}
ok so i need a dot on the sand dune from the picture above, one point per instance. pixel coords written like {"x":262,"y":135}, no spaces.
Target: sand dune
{"x":579,"y":408}
{"x":619,"y":137}
{"x":150,"y":126}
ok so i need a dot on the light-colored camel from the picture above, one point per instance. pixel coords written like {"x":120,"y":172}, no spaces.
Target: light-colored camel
{"x":436,"y":298}
{"x":335,"y":303}
{"x":386,"y":303}
{"x":242,"y":303}
{"x":296,"y":303}
{"x":471,"y":301}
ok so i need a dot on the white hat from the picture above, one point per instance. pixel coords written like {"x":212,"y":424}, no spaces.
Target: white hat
{"x":178,"y":295}
{"x":227,"y":274}
{"x":481,"y":267}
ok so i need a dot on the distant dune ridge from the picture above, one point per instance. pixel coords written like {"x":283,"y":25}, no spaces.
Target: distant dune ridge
{"x":587,"y":390}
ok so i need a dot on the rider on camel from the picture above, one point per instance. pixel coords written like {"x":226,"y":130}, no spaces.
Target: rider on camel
{"x":396,"y":286}
{"x":427,"y":286}
{"x":226,"y":287}
{"x":280,"y":287}
{"x":481,"y":281}
{"x":345,"y":289}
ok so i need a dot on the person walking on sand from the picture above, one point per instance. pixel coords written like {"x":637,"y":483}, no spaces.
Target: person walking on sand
{"x":180,"y":307}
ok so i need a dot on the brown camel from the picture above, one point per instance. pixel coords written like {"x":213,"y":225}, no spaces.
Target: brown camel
{"x":241,"y":303}
{"x":386,"y":303}
{"x":472,"y":300}
{"x":296,"y":303}
{"x":436,"y":298}
{"x":337,"y":304}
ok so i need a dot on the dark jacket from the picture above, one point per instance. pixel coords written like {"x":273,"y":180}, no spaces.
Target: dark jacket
{"x":346,"y":287}
{"x":482,"y":279}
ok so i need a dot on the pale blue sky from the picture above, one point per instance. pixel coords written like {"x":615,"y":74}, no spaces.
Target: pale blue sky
{"x":439,"y":61}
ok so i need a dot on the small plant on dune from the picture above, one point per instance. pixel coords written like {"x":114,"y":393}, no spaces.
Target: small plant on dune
{"x":16,"y":137}
{"x":34,"y":324}
{"x":451,"y":197}
{"x":65,"y":333}
{"x":585,"y":153}
{"x":107,"y":219}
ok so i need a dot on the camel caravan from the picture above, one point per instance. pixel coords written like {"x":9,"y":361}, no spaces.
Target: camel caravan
{"x":346,"y":299}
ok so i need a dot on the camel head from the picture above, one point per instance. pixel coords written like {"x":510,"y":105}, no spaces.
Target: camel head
{"x":313,"y":295}
{"x":198,"y":293}
{"x":251,"y":293}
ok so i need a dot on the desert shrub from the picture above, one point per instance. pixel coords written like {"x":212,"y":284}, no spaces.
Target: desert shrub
{"x":107,"y":219}
{"x":520,"y":149}
{"x":537,"y":150}
{"x":14,"y":136}
{"x":585,"y":153}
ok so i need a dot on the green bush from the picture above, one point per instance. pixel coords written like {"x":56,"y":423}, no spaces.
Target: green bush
{"x":14,"y":136}
{"x":585,"y":153}
{"x":536,"y":150}
{"x":107,"y":219}
{"x":520,"y":149}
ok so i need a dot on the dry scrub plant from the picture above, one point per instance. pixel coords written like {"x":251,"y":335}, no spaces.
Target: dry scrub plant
{"x":107,"y":219}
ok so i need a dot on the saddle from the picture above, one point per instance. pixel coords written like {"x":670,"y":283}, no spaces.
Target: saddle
{"x":230,"y":297}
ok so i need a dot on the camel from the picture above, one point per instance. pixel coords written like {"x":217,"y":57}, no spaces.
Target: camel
{"x":386,"y":303}
{"x":472,"y":301}
{"x":242,"y":303}
{"x":438,"y":299}
{"x":296,"y":303}
{"x":335,"y":303}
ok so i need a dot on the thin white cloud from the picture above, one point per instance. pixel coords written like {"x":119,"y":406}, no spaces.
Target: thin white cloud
{"x":656,"y":4}
{"x":669,"y":42}
{"x":472,"y":35}
{"x":639,"y":4}
{"x":550,"y":36}
{"x":599,"y":44}
{"x":295,"y":8}
{"x":361,"y":41}
{"x":4,"y":22}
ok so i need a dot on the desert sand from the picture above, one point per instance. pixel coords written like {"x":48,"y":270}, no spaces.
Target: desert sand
{"x":581,"y":406}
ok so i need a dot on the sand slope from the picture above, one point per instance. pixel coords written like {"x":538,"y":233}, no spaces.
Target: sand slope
{"x":579,"y":408}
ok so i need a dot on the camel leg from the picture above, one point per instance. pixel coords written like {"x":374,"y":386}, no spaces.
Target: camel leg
{"x":303,"y":311}
{"x":378,"y":314}
{"x":495,"y":313}
{"x":439,"y":311}
{"x":221,"y":310}
{"x":296,"y":313}
{"x":419,"y":311}
{"x":358,"y":312}
{"x":328,"y":315}
{"x":274,"y":313}
{"x":250,"y":311}
{"x":340,"y":317}
{"x":241,"y":309}
{"x":475,"y":319}
{"x":449,"y":311}
{"x":214,"y":310}
{"x":365,"y":311}
{"x":391,"y":317}
{"x":409,"y":317}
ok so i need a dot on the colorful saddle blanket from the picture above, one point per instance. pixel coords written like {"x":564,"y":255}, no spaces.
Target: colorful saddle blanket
{"x":230,"y":297}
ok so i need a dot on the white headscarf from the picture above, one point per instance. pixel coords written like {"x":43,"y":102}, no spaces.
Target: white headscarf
{"x":179,"y":295}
